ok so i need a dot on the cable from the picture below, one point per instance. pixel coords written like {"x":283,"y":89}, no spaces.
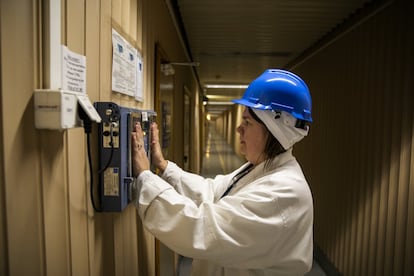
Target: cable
{"x":111,"y":143}
{"x":87,"y":126}
{"x":91,"y":174}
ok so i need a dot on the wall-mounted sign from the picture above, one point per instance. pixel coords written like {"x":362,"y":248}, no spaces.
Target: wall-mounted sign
{"x":73,"y":71}
{"x":126,"y":67}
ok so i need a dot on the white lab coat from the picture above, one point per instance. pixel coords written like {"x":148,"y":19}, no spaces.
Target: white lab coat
{"x":264,"y":226}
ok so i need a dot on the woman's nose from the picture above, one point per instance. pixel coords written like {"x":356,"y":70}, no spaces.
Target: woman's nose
{"x":239,"y":129}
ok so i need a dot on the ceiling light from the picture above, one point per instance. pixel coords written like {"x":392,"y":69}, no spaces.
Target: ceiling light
{"x":220,"y":103}
{"x":222,"y":97}
{"x":205,"y":100}
{"x":227,"y":86}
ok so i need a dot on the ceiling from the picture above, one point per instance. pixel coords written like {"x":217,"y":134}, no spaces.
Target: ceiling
{"x":234,"y":41}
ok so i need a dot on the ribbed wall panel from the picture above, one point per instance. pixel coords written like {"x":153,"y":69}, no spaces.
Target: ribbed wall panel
{"x":359,"y":156}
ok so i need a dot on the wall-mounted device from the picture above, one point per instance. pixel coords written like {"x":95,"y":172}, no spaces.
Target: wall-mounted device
{"x":115,"y":163}
{"x":59,"y":109}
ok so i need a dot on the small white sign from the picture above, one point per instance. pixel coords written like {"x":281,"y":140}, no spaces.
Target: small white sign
{"x":87,"y":106}
{"x":73,"y":71}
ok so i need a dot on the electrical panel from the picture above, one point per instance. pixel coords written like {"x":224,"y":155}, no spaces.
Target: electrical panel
{"x":114,"y":146}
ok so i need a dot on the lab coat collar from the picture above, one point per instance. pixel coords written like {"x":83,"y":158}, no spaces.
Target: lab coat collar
{"x":264,"y":168}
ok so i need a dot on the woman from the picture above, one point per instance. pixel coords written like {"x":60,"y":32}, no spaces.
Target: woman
{"x":256,"y":220}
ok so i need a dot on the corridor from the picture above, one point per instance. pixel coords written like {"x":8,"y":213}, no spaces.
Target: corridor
{"x":219,"y":157}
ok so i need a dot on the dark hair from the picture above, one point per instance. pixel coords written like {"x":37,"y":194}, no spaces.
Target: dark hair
{"x":273,"y":147}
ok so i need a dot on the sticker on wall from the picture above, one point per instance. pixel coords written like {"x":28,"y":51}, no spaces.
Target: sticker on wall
{"x":139,"y":95}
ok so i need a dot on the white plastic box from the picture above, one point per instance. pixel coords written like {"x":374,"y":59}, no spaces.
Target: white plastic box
{"x":58,"y":109}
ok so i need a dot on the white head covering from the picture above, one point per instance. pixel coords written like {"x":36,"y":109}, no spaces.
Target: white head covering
{"x":282,"y":125}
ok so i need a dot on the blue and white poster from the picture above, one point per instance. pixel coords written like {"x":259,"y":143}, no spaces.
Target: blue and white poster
{"x":126,"y":67}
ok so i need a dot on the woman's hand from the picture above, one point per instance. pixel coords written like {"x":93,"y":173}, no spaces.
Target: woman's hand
{"x":140,"y":161}
{"x":156,"y":153}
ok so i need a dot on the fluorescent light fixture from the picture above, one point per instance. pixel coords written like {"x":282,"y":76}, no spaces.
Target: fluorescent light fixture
{"x":227,"y":86}
{"x":205,"y":100}
{"x":223,"y":98}
{"x":220,"y":103}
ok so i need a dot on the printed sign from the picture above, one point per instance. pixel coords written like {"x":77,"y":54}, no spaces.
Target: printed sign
{"x":73,"y":71}
{"x":126,"y":67}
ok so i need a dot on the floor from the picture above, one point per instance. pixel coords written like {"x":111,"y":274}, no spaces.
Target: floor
{"x":220,"y":158}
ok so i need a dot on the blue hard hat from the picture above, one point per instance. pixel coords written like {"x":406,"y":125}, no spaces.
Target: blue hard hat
{"x":279,"y":90}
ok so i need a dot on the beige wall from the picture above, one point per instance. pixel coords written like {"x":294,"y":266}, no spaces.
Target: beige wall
{"x":48,"y":226}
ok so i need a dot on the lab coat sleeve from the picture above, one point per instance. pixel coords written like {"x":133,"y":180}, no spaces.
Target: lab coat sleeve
{"x":253,"y":229}
{"x":174,"y":219}
{"x":194,"y":186}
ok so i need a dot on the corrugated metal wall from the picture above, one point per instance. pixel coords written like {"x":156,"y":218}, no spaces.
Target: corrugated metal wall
{"x":359,"y":156}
